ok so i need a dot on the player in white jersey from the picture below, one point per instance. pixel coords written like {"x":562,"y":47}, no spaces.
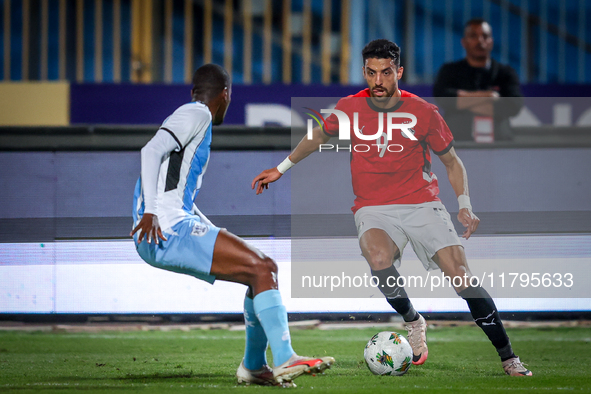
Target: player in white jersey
{"x":171,"y":233}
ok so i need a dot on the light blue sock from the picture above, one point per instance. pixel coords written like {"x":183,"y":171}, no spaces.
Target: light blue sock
{"x":256,"y":341}
{"x":273,"y":317}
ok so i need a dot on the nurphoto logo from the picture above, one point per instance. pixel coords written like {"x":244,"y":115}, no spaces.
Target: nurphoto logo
{"x":381,"y":137}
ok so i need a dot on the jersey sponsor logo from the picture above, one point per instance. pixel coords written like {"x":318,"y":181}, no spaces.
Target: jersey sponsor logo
{"x":199,"y":229}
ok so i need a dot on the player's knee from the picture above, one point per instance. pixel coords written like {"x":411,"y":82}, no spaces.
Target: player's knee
{"x":269,"y":265}
{"x":378,"y":258}
{"x":459,"y":278}
{"x":458,"y":272}
{"x":263,"y":275}
{"x":262,"y":266}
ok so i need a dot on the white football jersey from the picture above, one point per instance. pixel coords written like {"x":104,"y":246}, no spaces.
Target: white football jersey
{"x":182,"y":170}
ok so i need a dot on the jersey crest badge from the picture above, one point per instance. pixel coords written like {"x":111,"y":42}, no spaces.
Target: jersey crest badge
{"x":360,"y":226}
{"x":199,"y":229}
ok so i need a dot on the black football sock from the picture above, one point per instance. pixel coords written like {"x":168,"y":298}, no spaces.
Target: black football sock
{"x":395,"y":295}
{"x":506,"y":352}
{"x":485,"y":315}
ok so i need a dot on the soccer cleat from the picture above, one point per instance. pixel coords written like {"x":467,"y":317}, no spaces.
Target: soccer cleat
{"x":418,"y":340}
{"x":298,"y":365}
{"x":514,"y":367}
{"x":263,"y":376}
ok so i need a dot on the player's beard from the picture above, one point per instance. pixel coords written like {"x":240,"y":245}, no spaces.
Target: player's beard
{"x":385,"y":97}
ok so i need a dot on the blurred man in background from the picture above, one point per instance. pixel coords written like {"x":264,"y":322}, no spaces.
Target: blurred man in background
{"x":479,"y":82}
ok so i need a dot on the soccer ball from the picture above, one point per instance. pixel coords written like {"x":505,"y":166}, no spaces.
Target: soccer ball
{"x":388,"y":353}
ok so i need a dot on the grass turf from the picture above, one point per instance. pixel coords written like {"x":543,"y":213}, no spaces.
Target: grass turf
{"x":460,"y":359}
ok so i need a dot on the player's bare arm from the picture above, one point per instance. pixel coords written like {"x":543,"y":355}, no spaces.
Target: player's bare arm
{"x":458,"y":178}
{"x":303,"y":150}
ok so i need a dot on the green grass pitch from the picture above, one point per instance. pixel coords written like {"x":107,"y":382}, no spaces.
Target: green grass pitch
{"x":460,"y":360}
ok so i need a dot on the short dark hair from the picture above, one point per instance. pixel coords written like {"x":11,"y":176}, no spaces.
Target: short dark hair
{"x":475,"y":21}
{"x":382,"y":49}
{"x":210,"y":80}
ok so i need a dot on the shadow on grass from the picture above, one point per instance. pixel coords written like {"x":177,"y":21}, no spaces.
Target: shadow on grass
{"x":152,"y":377}
{"x":162,"y":382}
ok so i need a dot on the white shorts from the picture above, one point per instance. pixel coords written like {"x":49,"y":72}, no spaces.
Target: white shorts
{"x":427,"y":226}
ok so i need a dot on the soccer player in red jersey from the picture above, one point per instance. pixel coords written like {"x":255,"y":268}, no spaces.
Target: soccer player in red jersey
{"x":396,"y":193}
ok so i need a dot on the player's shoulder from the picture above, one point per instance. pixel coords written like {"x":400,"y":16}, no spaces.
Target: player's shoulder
{"x":194,"y":108}
{"x":353,"y":98}
{"x":361,"y":93}
{"x":188,"y":118}
{"x":417,"y":101}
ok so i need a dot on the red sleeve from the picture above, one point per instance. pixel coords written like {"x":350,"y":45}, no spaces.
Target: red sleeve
{"x":332,"y":122}
{"x":332,"y":126}
{"x":439,"y":136}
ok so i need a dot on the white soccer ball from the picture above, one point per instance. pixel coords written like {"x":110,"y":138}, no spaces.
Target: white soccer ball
{"x":388,"y":353}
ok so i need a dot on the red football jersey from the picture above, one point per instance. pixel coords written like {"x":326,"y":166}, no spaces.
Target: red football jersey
{"x":395,"y":171}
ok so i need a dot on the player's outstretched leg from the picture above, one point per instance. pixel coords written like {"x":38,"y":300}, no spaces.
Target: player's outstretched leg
{"x":414,"y":323}
{"x":236,"y":261}
{"x":380,"y":251}
{"x":486,"y":316}
{"x":273,"y":317}
{"x":262,"y":376}
{"x":514,"y":367}
{"x":452,"y":261}
{"x":254,"y":369}
{"x":288,"y":365}
{"x":417,"y":337}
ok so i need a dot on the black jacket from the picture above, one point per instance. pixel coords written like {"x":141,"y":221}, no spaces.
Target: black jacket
{"x":460,"y":75}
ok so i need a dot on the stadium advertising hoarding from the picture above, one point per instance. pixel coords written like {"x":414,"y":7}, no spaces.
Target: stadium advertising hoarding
{"x":108,"y":277}
{"x":259,"y":105}
{"x":530,"y":251}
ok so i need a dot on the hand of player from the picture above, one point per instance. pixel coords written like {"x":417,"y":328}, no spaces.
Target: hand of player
{"x":150,"y":228}
{"x":262,"y":180}
{"x":468,"y":220}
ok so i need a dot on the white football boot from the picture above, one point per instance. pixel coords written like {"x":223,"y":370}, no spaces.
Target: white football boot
{"x":298,"y":365}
